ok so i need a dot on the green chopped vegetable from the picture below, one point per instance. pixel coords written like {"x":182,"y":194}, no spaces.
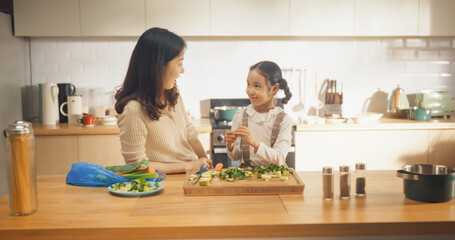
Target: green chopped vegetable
{"x":141,"y":175}
{"x":233,"y":174}
{"x":263,"y":172}
{"x":137,"y":185}
{"x":128,"y":168}
{"x":271,"y":168}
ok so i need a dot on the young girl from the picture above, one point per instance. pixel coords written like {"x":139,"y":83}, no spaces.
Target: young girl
{"x":261,"y":134}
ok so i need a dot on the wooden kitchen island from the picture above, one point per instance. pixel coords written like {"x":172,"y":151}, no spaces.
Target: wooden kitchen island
{"x":71,"y":212}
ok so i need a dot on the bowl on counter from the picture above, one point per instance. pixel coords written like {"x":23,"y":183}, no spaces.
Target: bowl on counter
{"x":106,"y":120}
{"x":335,"y":120}
{"x":368,"y":117}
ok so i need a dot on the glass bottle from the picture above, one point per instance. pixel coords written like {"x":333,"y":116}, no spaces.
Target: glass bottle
{"x":21,"y":170}
{"x":360,"y":179}
{"x":345,"y":182}
{"x":327,"y":183}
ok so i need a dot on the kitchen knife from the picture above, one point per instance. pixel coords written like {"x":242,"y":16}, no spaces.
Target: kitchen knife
{"x":199,"y":174}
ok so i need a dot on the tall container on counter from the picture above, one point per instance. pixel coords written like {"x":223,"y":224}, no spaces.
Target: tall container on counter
{"x":345,"y":182}
{"x":98,"y":102}
{"x":21,"y":170}
{"x":360,"y":179}
{"x":327,"y":183}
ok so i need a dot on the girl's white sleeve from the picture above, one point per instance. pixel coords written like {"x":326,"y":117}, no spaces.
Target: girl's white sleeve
{"x":277,"y":154}
{"x":236,"y":153}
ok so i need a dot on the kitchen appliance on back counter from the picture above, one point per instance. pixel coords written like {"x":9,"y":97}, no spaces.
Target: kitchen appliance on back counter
{"x":439,"y":102}
{"x":398,"y":105}
{"x":220,"y":113}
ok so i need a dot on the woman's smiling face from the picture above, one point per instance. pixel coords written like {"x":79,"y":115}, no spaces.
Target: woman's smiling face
{"x":259,"y":91}
{"x":172,"y":71}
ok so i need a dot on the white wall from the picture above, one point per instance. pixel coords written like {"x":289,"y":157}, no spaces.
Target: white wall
{"x":216,"y":67}
{"x":14,"y":74}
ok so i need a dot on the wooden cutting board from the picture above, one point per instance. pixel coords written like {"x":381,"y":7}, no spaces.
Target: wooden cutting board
{"x":253,"y":186}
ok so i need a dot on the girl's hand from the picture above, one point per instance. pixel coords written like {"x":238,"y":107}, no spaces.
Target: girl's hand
{"x":247,"y":136}
{"x":230,"y":140}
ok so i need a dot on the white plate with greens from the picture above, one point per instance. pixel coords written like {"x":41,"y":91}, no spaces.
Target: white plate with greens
{"x":127,"y":189}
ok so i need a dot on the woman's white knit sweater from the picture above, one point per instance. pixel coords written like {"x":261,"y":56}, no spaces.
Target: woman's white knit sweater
{"x":164,"y":140}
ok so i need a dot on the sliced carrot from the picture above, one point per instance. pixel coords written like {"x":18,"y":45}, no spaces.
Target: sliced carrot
{"x":140,"y":169}
{"x":218,"y":167}
{"x":119,"y":173}
{"x":151,"y":170}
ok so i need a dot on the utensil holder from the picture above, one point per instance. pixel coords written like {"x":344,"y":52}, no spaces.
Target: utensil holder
{"x":331,"y":109}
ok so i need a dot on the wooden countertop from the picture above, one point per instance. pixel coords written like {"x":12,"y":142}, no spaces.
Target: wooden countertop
{"x":383,"y":123}
{"x":62,"y":129}
{"x":66,"y":211}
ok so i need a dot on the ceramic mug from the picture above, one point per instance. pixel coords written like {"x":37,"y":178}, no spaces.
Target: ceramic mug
{"x":87,"y":120}
{"x":74,"y":109}
{"x":423,"y":114}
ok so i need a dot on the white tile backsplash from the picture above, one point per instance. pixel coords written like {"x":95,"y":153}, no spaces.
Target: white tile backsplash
{"x":392,"y":42}
{"x":404,"y":54}
{"x":217,"y":67}
{"x":428,"y":54}
{"x":70,"y":68}
{"x":413,"y":43}
{"x":448,"y":55}
{"x":440,"y":43}
{"x":44,"y":68}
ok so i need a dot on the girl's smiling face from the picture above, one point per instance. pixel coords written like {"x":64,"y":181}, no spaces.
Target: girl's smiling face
{"x":260,"y":92}
{"x":172,"y":71}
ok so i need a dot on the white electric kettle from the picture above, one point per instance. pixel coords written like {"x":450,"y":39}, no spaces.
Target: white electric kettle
{"x":49,"y":103}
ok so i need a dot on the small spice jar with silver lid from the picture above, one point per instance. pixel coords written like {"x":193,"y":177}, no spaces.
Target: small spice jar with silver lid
{"x":327,"y":183}
{"x":345,"y":182}
{"x":360,"y":182}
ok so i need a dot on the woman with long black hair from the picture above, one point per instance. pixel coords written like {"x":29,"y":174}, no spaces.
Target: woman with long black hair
{"x":153,"y":122}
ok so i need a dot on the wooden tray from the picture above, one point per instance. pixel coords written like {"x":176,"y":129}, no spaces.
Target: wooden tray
{"x":253,"y":186}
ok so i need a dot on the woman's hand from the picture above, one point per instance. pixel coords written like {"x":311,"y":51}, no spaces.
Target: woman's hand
{"x":196,"y":164}
{"x":247,"y":136}
{"x":230,"y":140}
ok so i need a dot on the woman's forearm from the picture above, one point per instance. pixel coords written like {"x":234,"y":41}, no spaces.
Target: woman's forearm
{"x":179,"y":167}
{"x":169,"y":167}
{"x":198,"y":148}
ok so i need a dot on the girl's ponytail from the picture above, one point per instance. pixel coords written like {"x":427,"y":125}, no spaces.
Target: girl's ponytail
{"x":284,"y":86}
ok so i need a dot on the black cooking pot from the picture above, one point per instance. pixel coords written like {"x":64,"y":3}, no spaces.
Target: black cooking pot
{"x":428,"y":183}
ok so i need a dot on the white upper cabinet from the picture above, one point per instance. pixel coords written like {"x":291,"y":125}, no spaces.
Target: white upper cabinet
{"x":249,"y":17}
{"x":112,"y":17}
{"x":235,"y":17}
{"x":188,"y":18}
{"x":386,"y":17}
{"x":46,"y":18}
{"x":437,"y":18}
{"x":322,"y":17}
